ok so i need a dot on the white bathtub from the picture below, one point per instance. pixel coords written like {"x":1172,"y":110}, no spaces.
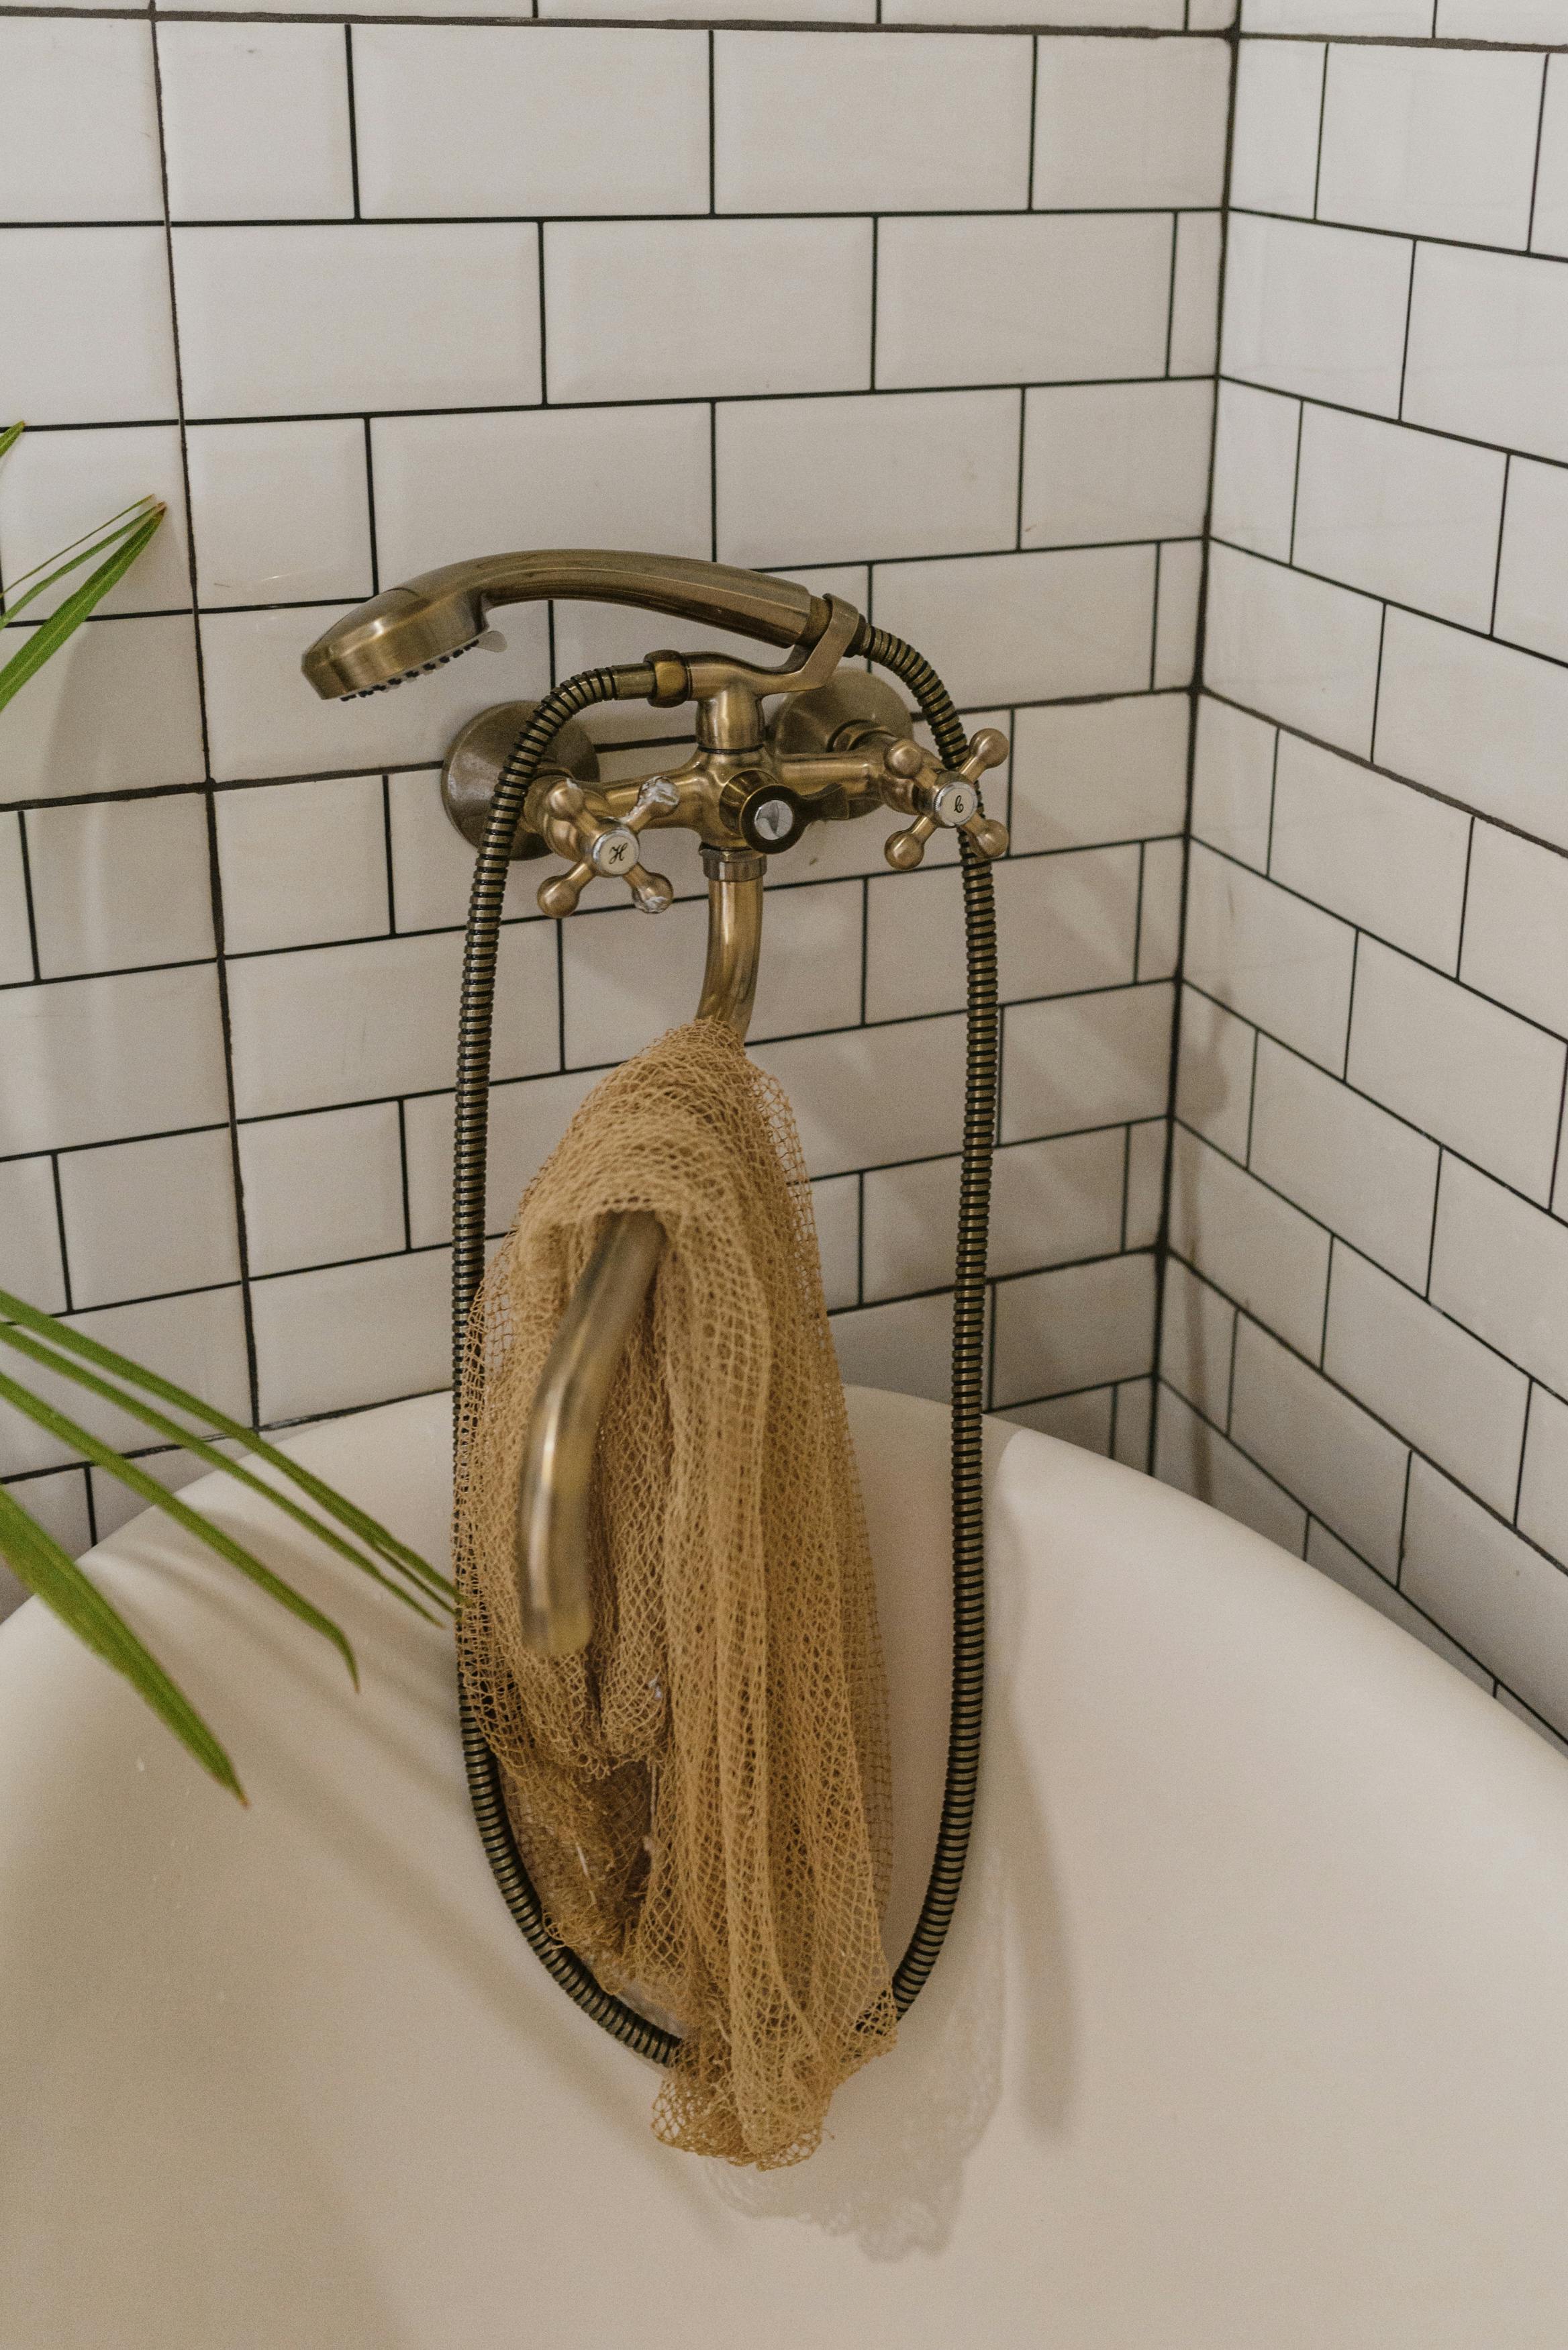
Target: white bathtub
{"x":1252,"y":2034}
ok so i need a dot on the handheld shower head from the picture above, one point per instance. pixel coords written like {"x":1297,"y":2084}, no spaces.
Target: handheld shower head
{"x":397,"y":636}
{"x":431,"y":619}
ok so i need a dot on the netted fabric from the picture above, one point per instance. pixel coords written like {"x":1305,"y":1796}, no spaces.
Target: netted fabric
{"x":702,"y":1797}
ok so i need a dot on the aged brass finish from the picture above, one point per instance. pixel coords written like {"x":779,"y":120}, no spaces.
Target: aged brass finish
{"x":853,"y":703}
{"x":551,"y":1540}
{"x":735,"y":936}
{"x":552,"y":1536}
{"x":948,"y":797}
{"x":840,"y":745}
{"x":477,"y":755}
{"x":441,"y":613}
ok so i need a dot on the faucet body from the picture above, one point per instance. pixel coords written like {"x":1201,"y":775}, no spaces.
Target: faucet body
{"x":840,"y":746}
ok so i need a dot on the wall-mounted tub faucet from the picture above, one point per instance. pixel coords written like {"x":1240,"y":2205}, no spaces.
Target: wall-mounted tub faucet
{"x":747,"y":786}
{"x":839,"y":744}
{"x":522,"y":781}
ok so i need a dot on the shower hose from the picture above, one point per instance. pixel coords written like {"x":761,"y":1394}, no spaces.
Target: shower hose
{"x":623,"y":2021}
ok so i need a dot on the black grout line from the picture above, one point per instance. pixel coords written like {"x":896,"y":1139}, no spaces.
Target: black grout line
{"x":60,"y":1229}
{"x":1445,"y":432}
{"x":403,"y":1174}
{"x":1405,"y":1518}
{"x":1409,"y":320}
{"x":1251,"y":1098}
{"x":543,"y":322}
{"x":712,"y":129}
{"x":1557,"y":1153}
{"x":717,"y":21}
{"x":431,"y":767}
{"x":392,"y":930}
{"x":1368,"y":1411}
{"x":1497,"y":561}
{"x":875,"y":246}
{"x":1051,"y":1134}
{"x":1154,"y":618}
{"x":1315,"y":1517}
{"x":1398,"y":1118}
{"x":1389,"y":604}
{"x":1389,"y":775}
{"x":1414,"y":237}
{"x":1443,"y":1156}
{"x":215,"y":873}
{"x":1195,"y":692}
{"x":1390,"y":946}
{"x":1465,"y":897}
{"x":1338,"y":1241}
{"x":1322,"y":124}
{"x":633,"y":402}
{"x":1535,"y":167}
{"x":27,"y":899}
{"x":353,"y":119}
{"x":1524,"y":1452}
{"x":1334,"y":1242}
{"x":881,"y":562}
{"x":560,"y":1000}
{"x":1296,"y":480}
{"x":1127,"y":1184}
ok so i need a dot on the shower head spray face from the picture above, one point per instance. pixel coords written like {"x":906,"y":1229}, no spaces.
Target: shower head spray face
{"x":399,"y":635}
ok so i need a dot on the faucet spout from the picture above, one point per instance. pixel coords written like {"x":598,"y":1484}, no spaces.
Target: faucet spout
{"x":551,"y":1539}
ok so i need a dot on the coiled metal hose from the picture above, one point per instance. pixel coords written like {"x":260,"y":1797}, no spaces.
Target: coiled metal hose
{"x":471,"y":1117}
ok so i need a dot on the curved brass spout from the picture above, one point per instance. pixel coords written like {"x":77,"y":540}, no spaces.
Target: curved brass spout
{"x":552,"y":1530}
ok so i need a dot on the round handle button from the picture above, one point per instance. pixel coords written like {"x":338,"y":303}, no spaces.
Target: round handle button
{"x":772,"y":819}
{"x":955,"y":803}
{"x":614,"y":852}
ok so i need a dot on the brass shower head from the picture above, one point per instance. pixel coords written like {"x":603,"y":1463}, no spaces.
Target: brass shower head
{"x":430,"y":620}
{"x":399,"y":635}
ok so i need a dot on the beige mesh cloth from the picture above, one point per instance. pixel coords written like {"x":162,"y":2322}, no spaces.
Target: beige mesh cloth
{"x":703,"y":1796}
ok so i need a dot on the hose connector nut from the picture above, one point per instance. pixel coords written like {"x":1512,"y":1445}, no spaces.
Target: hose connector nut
{"x":672,"y":680}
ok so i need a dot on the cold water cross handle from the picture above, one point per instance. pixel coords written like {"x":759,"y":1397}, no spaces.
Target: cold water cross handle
{"x":949,"y":797}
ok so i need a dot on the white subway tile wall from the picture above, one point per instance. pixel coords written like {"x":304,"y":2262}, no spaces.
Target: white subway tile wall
{"x":1374,"y":1029}
{"x":927,"y":314}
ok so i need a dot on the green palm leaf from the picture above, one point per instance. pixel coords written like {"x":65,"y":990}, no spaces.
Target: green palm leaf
{"x":70,"y":559}
{"x":104,"y":1456}
{"x":51,"y":634}
{"x":336,"y":1505}
{"x":59,"y":1583}
{"x":37,"y":1557}
{"x":161,"y":1425}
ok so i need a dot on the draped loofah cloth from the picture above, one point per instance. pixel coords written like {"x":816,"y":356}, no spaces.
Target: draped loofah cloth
{"x":701,"y":1796}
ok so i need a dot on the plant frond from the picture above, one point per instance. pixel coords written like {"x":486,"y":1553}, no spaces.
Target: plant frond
{"x":51,"y":634}
{"x":337,"y":1505}
{"x":104,"y":1456}
{"x":39,"y":1561}
{"x":67,"y":1367}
